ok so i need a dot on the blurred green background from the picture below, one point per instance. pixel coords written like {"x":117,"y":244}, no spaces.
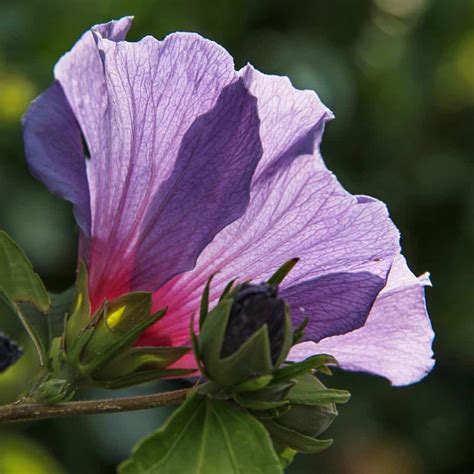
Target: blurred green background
{"x":399,"y":75}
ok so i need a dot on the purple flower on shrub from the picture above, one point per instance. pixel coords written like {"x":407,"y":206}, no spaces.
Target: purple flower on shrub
{"x":179,"y":167}
{"x":9,"y":352}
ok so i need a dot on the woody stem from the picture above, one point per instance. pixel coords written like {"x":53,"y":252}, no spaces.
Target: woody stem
{"x":37,"y":411}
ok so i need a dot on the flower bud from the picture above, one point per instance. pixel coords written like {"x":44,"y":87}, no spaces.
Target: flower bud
{"x":311,"y":410}
{"x":247,"y":335}
{"x":254,"y":306}
{"x":9,"y":352}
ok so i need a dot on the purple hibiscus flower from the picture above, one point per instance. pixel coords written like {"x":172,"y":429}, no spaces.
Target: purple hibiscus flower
{"x":179,"y":167}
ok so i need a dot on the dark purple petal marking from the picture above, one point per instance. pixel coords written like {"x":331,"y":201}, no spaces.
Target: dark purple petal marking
{"x":396,"y":339}
{"x":207,"y":190}
{"x":336,"y":303}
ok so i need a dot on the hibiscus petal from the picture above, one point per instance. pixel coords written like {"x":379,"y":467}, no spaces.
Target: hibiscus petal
{"x":297,"y":209}
{"x":55,"y":152}
{"x":173,"y":135}
{"x":334,"y":304}
{"x":187,"y":149}
{"x":395,"y":341}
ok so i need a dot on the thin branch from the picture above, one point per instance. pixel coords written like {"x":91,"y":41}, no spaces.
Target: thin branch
{"x":38,"y":411}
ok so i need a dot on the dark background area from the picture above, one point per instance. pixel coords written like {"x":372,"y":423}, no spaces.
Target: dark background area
{"x":399,"y":75}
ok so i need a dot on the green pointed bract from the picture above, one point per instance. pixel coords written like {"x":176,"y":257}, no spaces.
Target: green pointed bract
{"x":299,"y":331}
{"x":282,"y":272}
{"x":140,"y":377}
{"x":295,"y":440}
{"x":139,"y":359}
{"x":204,"y":308}
{"x":310,"y":411}
{"x":252,"y":404}
{"x":256,"y":384}
{"x":81,"y":310}
{"x":205,"y":436}
{"x":227,"y":289}
{"x":299,"y":368}
{"x":273,"y":392}
{"x":309,"y":419}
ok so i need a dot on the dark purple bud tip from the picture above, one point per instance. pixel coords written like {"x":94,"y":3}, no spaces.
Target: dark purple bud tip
{"x":9,"y":352}
{"x":254,"y":306}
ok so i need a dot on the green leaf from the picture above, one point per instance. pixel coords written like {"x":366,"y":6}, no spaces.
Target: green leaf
{"x":286,"y":456}
{"x":17,"y":279}
{"x":20,"y":284}
{"x":294,"y":440}
{"x":282,"y":272}
{"x":50,"y":326}
{"x":206,"y":436}
{"x":299,"y":368}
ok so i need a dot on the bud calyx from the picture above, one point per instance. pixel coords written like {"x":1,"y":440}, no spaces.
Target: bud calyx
{"x":252,"y":307}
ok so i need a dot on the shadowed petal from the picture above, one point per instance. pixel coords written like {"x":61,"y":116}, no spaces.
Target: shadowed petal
{"x":208,"y":189}
{"x":396,"y":340}
{"x":297,"y":209}
{"x":335,"y":303}
{"x":55,"y":152}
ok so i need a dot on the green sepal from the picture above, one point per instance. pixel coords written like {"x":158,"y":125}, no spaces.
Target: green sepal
{"x":252,"y":404}
{"x":53,"y":391}
{"x":254,"y":384}
{"x":273,"y":392}
{"x":204,"y":307}
{"x":294,"y":440}
{"x":282,"y":272}
{"x":299,"y":331}
{"x":324,"y":369}
{"x":227,"y":289}
{"x":312,"y":418}
{"x":120,"y":323}
{"x":141,"y":377}
{"x":136,"y":359}
{"x":329,"y":395}
{"x":298,"y":368}
{"x":195,"y":347}
{"x":250,"y":361}
{"x":206,"y":435}
{"x":80,"y":316}
{"x":288,"y":338}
